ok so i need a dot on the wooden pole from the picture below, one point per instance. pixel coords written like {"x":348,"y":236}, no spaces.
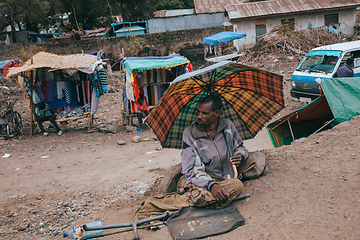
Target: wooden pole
{"x":32,"y":107}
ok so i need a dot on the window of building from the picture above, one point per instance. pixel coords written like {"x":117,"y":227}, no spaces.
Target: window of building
{"x":260,"y":28}
{"x":290,"y":22}
{"x":331,"y":19}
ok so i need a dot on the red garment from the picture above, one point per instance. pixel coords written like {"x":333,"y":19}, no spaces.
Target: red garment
{"x":135,"y":85}
{"x":87,"y":91}
{"x":144,"y":107}
{"x":189,"y":67}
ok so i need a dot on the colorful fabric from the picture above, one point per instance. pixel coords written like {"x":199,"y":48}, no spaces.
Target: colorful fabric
{"x":103,"y":80}
{"x":27,"y":85}
{"x":67,"y":91}
{"x":250,"y":98}
{"x":7,"y":64}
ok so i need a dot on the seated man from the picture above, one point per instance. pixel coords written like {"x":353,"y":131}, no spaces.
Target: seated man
{"x":142,"y":110}
{"x":214,"y":160}
{"x":345,"y":70}
{"x":44,"y":113}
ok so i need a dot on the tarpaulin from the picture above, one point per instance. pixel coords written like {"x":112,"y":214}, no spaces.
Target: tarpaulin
{"x":147,"y":63}
{"x":223,"y":37}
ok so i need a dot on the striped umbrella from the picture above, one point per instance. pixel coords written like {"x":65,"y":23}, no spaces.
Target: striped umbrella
{"x":250,"y":98}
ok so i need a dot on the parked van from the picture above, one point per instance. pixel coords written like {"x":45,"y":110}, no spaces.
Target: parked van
{"x":322,"y":62}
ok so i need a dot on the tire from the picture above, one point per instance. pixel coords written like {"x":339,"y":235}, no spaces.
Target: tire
{"x":15,"y":124}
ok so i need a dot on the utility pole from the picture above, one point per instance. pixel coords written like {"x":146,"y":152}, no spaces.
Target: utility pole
{"x":112,"y":16}
{"x":75,"y":17}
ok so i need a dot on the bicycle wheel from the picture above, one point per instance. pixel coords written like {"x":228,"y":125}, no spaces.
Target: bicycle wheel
{"x":15,"y":124}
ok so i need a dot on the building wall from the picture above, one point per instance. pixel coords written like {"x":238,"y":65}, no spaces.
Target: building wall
{"x":156,"y":25}
{"x":347,"y":21}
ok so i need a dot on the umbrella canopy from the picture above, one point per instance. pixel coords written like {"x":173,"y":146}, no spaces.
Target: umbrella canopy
{"x":250,"y":98}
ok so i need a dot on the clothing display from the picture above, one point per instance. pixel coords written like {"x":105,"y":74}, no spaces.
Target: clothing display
{"x":70,"y":96}
{"x":151,"y":83}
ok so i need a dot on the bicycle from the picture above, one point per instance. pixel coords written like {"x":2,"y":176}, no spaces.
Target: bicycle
{"x":10,"y":120}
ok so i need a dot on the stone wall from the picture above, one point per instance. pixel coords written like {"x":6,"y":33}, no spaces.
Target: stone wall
{"x":159,"y":44}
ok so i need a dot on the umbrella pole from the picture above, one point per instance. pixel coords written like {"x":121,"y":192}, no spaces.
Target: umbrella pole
{"x":292,"y":134}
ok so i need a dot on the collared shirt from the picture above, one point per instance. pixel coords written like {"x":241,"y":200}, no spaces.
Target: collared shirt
{"x":344,"y":71}
{"x":39,"y":112}
{"x":201,"y":153}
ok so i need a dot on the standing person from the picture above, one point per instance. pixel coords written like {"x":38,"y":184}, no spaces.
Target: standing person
{"x":345,"y":70}
{"x":44,"y":113}
{"x":142,"y":110}
{"x":212,"y":150}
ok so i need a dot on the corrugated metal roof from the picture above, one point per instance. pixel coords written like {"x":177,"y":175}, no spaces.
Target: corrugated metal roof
{"x":279,"y":7}
{"x":213,"y":6}
{"x":173,"y":13}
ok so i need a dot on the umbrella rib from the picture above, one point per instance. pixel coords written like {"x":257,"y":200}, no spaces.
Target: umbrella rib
{"x":197,"y":82}
{"x":228,"y":81}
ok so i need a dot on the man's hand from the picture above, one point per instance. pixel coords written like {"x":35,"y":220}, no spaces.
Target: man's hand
{"x":236,"y":159}
{"x":219,"y":193}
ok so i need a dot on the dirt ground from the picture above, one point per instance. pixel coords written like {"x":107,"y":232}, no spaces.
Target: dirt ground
{"x":49,"y":184}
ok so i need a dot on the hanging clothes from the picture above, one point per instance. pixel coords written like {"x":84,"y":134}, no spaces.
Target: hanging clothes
{"x":67,"y":91}
{"x":103,"y":80}
{"x":79,"y":93}
{"x":35,"y":97}
{"x":94,"y":103}
{"x":87,"y":91}
{"x":39,"y":93}
{"x":60,"y":87}
{"x":27,"y":85}
{"x":49,"y":92}
{"x":148,"y":88}
{"x":54,"y":90}
{"x":83,"y":95}
{"x":135,"y":85}
{"x":43,"y":88}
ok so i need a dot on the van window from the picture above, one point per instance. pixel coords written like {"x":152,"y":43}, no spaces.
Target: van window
{"x":320,"y":61}
{"x":352,"y":54}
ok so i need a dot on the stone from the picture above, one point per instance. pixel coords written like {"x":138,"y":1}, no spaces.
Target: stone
{"x":110,"y":128}
{"x":136,"y":139}
{"x":130,"y":128}
{"x":121,"y":142}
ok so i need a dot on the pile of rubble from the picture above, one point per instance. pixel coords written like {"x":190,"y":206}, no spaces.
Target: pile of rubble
{"x":283,"y":42}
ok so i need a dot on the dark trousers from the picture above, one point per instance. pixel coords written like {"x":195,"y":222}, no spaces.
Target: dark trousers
{"x":139,"y":117}
{"x":48,"y":118}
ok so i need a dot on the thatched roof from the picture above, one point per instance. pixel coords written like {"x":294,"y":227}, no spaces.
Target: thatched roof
{"x":55,"y":62}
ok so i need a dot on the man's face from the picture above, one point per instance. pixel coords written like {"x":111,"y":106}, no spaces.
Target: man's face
{"x":206,"y":116}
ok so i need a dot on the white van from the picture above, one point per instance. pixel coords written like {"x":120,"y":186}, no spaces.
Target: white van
{"x":322,"y":62}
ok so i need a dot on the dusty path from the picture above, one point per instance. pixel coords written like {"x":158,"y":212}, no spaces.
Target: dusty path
{"x":52,"y":183}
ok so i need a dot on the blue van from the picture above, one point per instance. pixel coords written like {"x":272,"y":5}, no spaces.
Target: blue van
{"x":322,"y":62}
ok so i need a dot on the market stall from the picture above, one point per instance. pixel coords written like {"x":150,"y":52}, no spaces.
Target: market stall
{"x":71,"y":84}
{"x":217,"y":47}
{"x":150,"y":76}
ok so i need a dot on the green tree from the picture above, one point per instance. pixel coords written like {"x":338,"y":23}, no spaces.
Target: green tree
{"x":175,"y":4}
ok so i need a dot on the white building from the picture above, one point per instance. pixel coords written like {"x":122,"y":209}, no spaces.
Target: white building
{"x":258,"y":18}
